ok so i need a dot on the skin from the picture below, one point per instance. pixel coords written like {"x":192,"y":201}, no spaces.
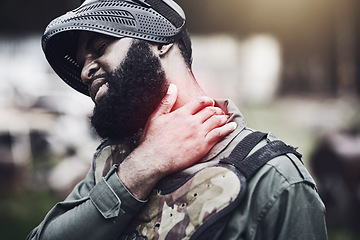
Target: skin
{"x":183,"y":128}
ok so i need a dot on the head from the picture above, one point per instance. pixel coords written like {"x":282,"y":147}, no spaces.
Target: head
{"x":156,"y":21}
{"x":117,"y":58}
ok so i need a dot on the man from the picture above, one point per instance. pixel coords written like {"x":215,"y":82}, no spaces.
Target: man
{"x":133,"y":58}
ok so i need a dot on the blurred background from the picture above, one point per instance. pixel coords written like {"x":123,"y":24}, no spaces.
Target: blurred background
{"x":292,"y":67}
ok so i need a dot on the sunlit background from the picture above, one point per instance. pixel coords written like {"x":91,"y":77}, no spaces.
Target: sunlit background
{"x":291,"y":66}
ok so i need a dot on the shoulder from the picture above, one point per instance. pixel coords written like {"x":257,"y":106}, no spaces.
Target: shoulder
{"x":287,"y":168}
{"x":279,"y":173}
{"x":279,"y":188}
{"x":283,"y":178}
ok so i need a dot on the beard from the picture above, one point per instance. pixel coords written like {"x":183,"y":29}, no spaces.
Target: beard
{"x":136,"y":88}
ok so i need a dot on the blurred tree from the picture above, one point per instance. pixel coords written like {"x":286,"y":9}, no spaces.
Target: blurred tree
{"x":347,"y":50}
{"x":23,"y":16}
{"x":319,"y":38}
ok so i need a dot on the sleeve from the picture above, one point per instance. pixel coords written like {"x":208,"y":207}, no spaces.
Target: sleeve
{"x":91,"y":211}
{"x":298,"y":213}
{"x":281,"y":202}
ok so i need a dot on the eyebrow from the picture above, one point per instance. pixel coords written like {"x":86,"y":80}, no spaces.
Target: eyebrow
{"x":90,"y":42}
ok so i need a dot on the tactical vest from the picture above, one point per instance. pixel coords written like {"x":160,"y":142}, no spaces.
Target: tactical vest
{"x":197,"y":207}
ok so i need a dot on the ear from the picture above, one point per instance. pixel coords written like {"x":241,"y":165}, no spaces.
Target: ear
{"x":164,"y":49}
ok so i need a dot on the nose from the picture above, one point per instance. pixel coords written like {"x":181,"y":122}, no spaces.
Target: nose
{"x":88,"y":71}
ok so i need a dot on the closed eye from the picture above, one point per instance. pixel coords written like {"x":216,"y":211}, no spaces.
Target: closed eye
{"x":100,"y":48}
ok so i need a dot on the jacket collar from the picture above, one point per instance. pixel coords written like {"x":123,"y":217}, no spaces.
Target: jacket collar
{"x":235,"y":116}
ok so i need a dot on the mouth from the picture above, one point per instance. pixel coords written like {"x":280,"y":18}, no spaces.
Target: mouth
{"x":98,"y":88}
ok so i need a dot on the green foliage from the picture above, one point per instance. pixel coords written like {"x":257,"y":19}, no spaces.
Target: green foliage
{"x":343,"y":235}
{"x":21,"y":212}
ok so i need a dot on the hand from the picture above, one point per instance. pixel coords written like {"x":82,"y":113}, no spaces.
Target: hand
{"x":180,"y":138}
{"x":173,"y":140}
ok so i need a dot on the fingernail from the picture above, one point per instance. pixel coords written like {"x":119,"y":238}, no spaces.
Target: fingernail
{"x":233,"y":125}
{"x":171,"y":89}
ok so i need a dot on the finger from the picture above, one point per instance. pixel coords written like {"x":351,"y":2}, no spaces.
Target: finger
{"x":167,"y":102}
{"x":218,"y":133}
{"x":198,"y":104}
{"x":214,"y":121}
{"x":207,"y":112}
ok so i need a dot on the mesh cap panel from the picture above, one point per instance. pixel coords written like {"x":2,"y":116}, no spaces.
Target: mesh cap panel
{"x":159,"y":21}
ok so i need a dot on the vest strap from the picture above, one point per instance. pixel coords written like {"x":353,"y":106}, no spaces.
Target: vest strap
{"x":249,"y":165}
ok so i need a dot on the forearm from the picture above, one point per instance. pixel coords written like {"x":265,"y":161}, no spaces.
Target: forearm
{"x":102,"y":213}
{"x":139,"y":172}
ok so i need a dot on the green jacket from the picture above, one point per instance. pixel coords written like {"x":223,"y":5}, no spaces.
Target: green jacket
{"x":281,"y":201}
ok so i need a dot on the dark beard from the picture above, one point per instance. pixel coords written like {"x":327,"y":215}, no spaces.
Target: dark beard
{"x":135,"y":90}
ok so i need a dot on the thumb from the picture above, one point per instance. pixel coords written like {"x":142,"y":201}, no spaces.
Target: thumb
{"x":168,"y":101}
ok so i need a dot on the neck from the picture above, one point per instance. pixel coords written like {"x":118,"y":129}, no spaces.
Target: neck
{"x":187,"y":86}
{"x":179,"y":74}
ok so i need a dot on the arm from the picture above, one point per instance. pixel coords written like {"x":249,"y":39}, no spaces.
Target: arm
{"x":171,"y":141}
{"x":281,"y":203}
{"x":294,"y":210}
{"x":86,"y":215}
{"x":298,"y":213}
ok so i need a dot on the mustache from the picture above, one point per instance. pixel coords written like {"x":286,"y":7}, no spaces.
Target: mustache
{"x":100,"y":75}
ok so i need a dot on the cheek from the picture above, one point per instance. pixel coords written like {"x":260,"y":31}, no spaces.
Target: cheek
{"x":116,"y":53}
{"x":113,"y":61}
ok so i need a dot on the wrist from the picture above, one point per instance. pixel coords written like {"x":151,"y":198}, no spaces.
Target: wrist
{"x":139,"y":173}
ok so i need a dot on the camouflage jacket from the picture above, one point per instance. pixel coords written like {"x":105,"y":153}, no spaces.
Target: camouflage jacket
{"x":281,"y":201}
